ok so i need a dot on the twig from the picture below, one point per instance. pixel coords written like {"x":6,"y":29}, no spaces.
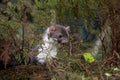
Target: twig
{"x":70,"y":47}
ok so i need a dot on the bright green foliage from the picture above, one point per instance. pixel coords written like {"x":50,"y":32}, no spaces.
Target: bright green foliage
{"x":88,"y":57}
{"x":116,"y":69}
{"x":107,"y":74}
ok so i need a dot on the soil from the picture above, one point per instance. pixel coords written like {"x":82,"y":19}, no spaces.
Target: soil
{"x":25,"y":72}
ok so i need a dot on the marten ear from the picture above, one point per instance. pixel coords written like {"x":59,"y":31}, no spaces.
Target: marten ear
{"x":68,"y":28}
{"x":52,"y":27}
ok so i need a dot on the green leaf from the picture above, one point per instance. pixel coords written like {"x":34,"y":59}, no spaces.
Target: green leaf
{"x":116,"y":69}
{"x":88,"y":57}
{"x":107,"y":74}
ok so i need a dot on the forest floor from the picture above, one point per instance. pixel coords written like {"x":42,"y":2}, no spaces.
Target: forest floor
{"x":25,"y":72}
{"x":43,"y":72}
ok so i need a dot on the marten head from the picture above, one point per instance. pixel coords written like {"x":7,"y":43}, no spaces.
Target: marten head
{"x":59,"y":33}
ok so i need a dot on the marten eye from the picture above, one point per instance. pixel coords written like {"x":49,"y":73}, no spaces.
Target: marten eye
{"x":60,"y":36}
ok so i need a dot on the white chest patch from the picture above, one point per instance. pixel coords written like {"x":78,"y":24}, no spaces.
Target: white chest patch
{"x":48,"y":50}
